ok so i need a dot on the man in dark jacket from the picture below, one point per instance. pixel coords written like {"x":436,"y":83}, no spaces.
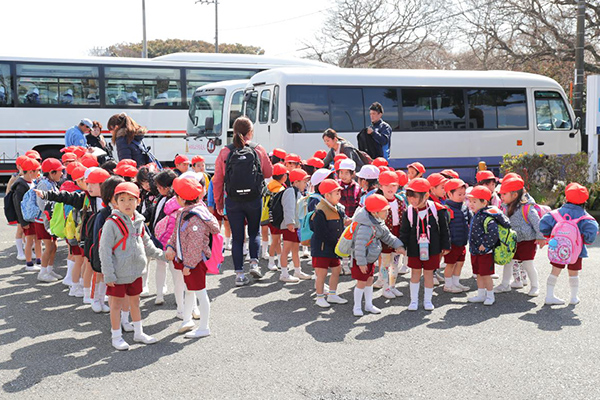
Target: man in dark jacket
{"x":380,"y":130}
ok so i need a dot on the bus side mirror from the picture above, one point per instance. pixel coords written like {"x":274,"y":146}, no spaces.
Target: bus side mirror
{"x":577,"y":125}
{"x":195,"y":121}
{"x":209,"y":124}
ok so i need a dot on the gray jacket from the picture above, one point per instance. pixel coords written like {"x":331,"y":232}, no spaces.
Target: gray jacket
{"x":289,"y":202}
{"x":123,"y":266}
{"x":526,"y":230}
{"x":370,"y":229}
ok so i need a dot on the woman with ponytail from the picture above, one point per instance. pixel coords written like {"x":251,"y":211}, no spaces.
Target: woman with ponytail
{"x":128,"y":137}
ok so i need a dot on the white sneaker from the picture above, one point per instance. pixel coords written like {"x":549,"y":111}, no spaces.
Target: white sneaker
{"x":495,"y":276}
{"x":413,"y":306}
{"x":516,"y":285}
{"x":159,"y":301}
{"x":273,"y":267}
{"x":143,"y":338}
{"x":373,"y":310}
{"x":97,"y":307}
{"x":387,"y":293}
{"x":88,"y":300}
{"x":105,"y":307}
{"x":335,"y":299}
{"x":44,"y":277}
{"x":303,"y":276}
{"x":378,"y":284}
{"x":145,"y":292}
{"x":288,"y":278}
{"x":396,"y":292}
{"x":404,"y":270}
{"x":489,"y":301}
{"x":197,"y":333}
{"x":265,"y":254}
{"x":502,"y":289}
{"x":54,"y":274}
{"x":428,"y":306}
{"x":436,"y":282}
{"x":357,"y":312}
{"x":186,"y":327}
{"x":533,"y":292}
{"x":32,"y":268}
{"x":227,"y":245}
{"x":574,"y":300}
{"x":196,"y":313}
{"x":21,"y":257}
{"x":321,"y":302}
{"x":476,"y":299}
{"x":452,"y":289}
{"x":554,"y":301}
{"x":78,"y":291}
{"x":440,"y":276}
{"x":120,"y":344}
{"x":67,"y":281}
{"x":463,"y":287}
{"x":179,"y":315}
{"x":306,"y":253}
{"x":524,"y":282}
{"x":127,"y":326}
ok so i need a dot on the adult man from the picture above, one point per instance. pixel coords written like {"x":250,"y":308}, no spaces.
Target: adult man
{"x":75,"y":136}
{"x":380,"y":130}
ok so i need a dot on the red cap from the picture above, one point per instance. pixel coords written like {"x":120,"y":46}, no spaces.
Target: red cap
{"x":454,"y":184}
{"x":419,"y":185}
{"x":388,"y":178}
{"x":376,"y":203}
{"x":436,"y":179}
{"x":279,"y":169}
{"x":481,"y":193}
{"x":127,"y":161}
{"x":78,"y":172}
{"x":52,"y":164}
{"x":20,"y":160}
{"x":510,"y":175}
{"x":89,"y":160}
{"x":380,"y":161}
{"x":328,"y":186}
{"x":315,"y":162}
{"x":69,"y":157}
{"x":418,"y":166}
{"x":197,"y":159}
{"x":576,"y":193}
{"x":298,"y":175}
{"x":280,"y":153}
{"x":128,"y":187}
{"x":512,"y":185}
{"x":341,"y":156}
{"x":72,"y":166}
{"x":187,"y":188}
{"x":98,"y":175}
{"x":294,"y":158}
{"x":321,"y":154}
{"x":30,"y":164}
{"x":336,"y":165}
{"x":67,"y":149}
{"x":484,"y":175}
{"x":33,"y":154}
{"x":451,"y":173}
{"x":126,"y":171}
{"x":181,"y":159}
{"x":79,"y":151}
{"x":402,"y":177}
{"x":384,"y":168}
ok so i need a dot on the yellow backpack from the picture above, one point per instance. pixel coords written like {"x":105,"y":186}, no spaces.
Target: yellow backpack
{"x":70,"y":226}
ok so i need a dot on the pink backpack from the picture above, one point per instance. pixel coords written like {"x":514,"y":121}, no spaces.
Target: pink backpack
{"x":213,"y":264}
{"x":540,"y":209}
{"x":565,"y":243}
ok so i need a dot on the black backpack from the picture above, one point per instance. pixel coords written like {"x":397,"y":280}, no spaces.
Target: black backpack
{"x":276,"y":208}
{"x":9,"y":208}
{"x":243,"y":173}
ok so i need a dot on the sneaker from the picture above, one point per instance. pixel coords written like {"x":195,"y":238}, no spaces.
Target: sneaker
{"x":396,"y":292}
{"x":179,"y":315}
{"x":105,"y":307}
{"x":524,"y":282}
{"x":265,"y":254}
{"x":476,"y":299}
{"x":488,"y":301}
{"x":305,"y":252}
{"x":335,"y":299}
{"x":495,"y":276}
{"x":321,"y":302}
{"x":428,"y":306}
{"x":197,"y":333}
{"x":32,"y":268}
{"x":67,"y":281}
{"x":227,"y":245}
{"x":196,"y":313}
{"x":413,"y":306}
{"x":554,"y":301}
{"x":289,"y":278}
{"x":97,"y":307}
{"x":127,"y":326}
{"x":145,"y":292}
{"x":77,"y":291}
{"x":54,"y":274}
{"x":574,"y":300}
{"x":440,"y":276}
{"x":452,"y":289}
{"x":272,"y":267}
{"x":120,"y":344}
{"x":346,"y":270}
{"x":255,"y":270}
{"x":378,"y":284}
{"x":186,"y":327}
{"x":72,"y":291}
{"x":159,"y":301}
{"x":303,"y":276}
{"x":533,"y":292}
{"x":404,"y":270}
{"x":387,"y":293}
{"x":44,"y":277}
{"x":88,"y":300}
{"x":373,"y":310}
{"x":502,"y":289}
{"x":21,"y":257}
{"x":516,"y":285}
{"x":143,"y":338}
{"x":357,"y":312}
{"x":463,"y":287}
{"x":241,"y":280}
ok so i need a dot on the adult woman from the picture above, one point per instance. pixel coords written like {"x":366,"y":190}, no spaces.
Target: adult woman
{"x":128,"y":136}
{"x":242,"y":208}
{"x":96,"y":139}
{"x":338,"y":145}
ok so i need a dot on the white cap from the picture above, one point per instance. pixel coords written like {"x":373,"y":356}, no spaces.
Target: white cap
{"x":348,"y":164}
{"x":89,"y":171}
{"x":35,"y":90}
{"x":87,"y":122}
{"x":319,"y":176}
{"x":368,"y":172}
{"x":69,"y":92}
{"x":194,"y":175}
{"x":2,"y":90}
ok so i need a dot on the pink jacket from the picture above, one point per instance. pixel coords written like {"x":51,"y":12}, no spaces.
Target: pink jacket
{"x":165,"y":227}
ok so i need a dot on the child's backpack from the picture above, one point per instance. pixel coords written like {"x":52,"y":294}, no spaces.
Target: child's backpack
{"x":213,"y":264}
{"x":59,"y":218}
{"x":345,"y":243}
{"x":243,"y":173}
{"x":506,"y":247}
{"x":276,"y":209}
{"x":94,"y":250}
{"x":305,"y":216}
{"x":565,"y":243}
{"x":540,"y":209}
{"x":410,"y":212}
{"x":123,"y":229}
{"x":9,"y":208}
{"x":70,"y":226}
{"x":29,"y":207}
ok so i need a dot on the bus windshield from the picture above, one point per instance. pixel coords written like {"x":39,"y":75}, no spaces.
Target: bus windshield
{"x":206,"y":114}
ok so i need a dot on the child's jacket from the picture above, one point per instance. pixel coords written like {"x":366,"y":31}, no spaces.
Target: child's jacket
{"x":587,"y":227}
{"x":368,"y":237}
{"x":488,"y":237}
{"x":460,"y":218}
{"x":327,"y":224}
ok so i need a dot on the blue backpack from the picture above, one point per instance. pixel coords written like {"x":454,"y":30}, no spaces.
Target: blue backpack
{"x":29,"y":207}
{"x":305,"y":216}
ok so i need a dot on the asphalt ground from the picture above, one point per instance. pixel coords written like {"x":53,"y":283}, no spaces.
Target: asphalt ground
{"x":269,"y":340}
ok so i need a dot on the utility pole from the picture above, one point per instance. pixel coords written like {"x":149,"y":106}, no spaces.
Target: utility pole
{"x":216,"y":3}
{"x":579,"y":70}
{"x":144,"y":42}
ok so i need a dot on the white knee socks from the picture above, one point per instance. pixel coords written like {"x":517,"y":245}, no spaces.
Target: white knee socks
{"x":202,"y":296}
{"x":178,"y":286}
{"x":414,"y":292}
{"x":507,"y":273}
{"x":574,"y":284}
{"x":533,"y":275}
{"x":19,"y":244}
{"x":188,"y":305}
{"x":368,"y":290}
{"x":161,"y":277}
{"x":358,"y":296}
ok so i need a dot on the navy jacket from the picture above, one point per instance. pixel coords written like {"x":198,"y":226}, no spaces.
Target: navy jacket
{"x":460,"y":218}
{"x":327,"y":225}
{"x":477,"y":232}
{"x":439,"y":238}
{"x":133,"y":150}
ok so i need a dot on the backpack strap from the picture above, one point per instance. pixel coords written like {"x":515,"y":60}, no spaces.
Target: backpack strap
{"x":558,"y":217}
{"x":525,"y":211}
{"x":123,"y":229}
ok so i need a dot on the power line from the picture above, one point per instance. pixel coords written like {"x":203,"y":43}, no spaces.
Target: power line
{"x":277,"y":22}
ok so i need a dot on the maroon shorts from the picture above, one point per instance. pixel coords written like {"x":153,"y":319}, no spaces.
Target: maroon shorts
{"x":483,"y":264}
{"x":525,"y":250}
{"x":130,"y":289}
{"x":29,"y":231}
{"x":41,"y":233}
{"x":357,"y":273}
{"x":430,"y":265}
{"x":275,"y":231}
{"x":290,"y":236}
{"x":457,"y":253}
{"x":196,"y":280}
{"x":326,"y":262}
{"x":576,"y":266}
{"x":75,"y":250}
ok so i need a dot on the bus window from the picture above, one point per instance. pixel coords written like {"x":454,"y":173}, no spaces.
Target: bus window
{"x":235,"y":110}
{"x":251,"y":105}
{"x":307,"y":109}
{"x":265,"y":99}
{"x":482,"y":109}
{"x":57,"y":84}
{"x":151,"y":87}
{"x":388,"y":98}
{"x":200,"y":77}
{"x":551,"y":112}
{"x":347,"y":109}
{"x":205,"y":106}
{"x":448,"y":109}
{"x":275,"y":105}
{"x":511,"y":105}
{"x":417,"y":110}
{"x":5,"y":86}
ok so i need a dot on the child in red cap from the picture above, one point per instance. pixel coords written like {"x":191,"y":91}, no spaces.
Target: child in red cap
{"x":182,"y":164}
{"x":291,"y":223}
{"x":276,"y":185}
{"x":576,"y":197}
{"x":425,"y":233}
{"x":19,"y":234}
{"x":415,"y":170}
{"x":199,"y":167}
{"x":460,"y":219}
{"x":369,"y":232}
{"x":31,"y":172}
{"x":483,"y":237}
{"x":488,"y":179}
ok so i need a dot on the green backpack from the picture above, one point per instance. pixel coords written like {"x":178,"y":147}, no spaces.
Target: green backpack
{"x":59,"y":219}
{"x":507,"y":243}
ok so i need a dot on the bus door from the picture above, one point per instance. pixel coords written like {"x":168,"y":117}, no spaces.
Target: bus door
{"x":262,"y":108}
{"x":555,"y":128}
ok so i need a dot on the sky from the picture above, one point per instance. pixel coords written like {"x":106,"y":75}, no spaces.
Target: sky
{"x":70,"y":28}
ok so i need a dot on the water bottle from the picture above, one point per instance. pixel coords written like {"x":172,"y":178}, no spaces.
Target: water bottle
{"x":424,"y":248}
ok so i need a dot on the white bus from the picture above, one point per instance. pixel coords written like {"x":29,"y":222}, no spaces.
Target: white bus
{"x":444,"y":119}
{"x":41,"y":98}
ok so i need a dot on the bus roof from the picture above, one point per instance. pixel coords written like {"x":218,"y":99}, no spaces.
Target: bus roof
{"x":258,"y":60}
{"x":232,"y":84}
{"x":401,"y":77}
